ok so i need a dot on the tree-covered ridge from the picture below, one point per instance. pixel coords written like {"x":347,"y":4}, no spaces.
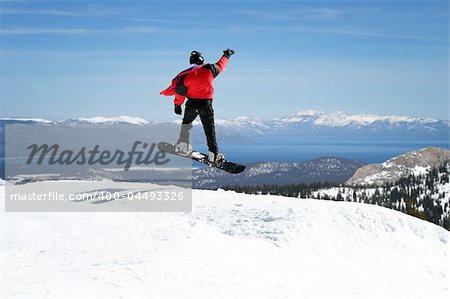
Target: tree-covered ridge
{"x":425,"y":195}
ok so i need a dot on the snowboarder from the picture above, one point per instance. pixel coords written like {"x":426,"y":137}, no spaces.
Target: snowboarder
{"x":195,"y":84}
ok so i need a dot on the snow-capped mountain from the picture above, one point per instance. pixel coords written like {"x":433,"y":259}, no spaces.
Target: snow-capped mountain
{"x":326,"y":169}
{"x":76,"y":121}
{"x":303,"y":123}
{"x":231,"y":246}
{"x":415,"y":162}
{"x":342,"y":119}
{"x":25,"y":120}
{"x":107,"y":120}
{"x":333,"y":119}
{"x":334,"y":125}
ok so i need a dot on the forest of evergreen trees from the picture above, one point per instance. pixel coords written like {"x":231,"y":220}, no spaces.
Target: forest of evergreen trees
{"x":422,"y":196}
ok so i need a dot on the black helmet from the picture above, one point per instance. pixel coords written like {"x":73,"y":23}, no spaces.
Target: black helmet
{"x":196,"y":58}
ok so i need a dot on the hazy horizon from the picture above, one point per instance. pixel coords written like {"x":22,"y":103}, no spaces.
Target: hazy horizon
{"x":225,"y":118}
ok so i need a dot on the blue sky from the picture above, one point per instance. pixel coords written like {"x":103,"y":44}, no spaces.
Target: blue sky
{"x":63,"y":59}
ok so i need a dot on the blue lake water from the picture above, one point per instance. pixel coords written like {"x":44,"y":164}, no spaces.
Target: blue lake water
{"x":368,"y":152}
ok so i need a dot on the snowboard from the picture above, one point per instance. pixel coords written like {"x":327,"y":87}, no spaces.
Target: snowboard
{"x":225,"y":165}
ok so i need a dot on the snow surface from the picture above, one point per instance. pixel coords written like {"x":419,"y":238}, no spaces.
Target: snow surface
{"x":420,"y":170}
{"x":231,"y":246}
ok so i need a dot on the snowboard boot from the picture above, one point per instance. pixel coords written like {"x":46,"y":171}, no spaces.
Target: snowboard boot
{"x":183,"y":148}
{"x":215,"y":158}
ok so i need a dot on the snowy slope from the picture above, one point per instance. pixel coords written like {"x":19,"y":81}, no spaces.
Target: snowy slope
{"x":231,"y":245}
{"x":414,"y":162}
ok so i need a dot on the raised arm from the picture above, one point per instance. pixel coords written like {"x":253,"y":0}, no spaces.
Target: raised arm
{"x":220,"y":65}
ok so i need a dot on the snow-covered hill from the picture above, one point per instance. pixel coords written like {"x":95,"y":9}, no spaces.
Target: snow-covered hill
{"x":415,"y":162}
{"x":422,"y":190}
{"x":231,"y":245}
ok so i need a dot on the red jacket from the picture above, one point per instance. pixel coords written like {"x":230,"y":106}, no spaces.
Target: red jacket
{"x":196,"y":82}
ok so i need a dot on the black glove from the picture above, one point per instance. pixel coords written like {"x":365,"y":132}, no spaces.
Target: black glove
{"x":178,"y":110}
{"x":228,"y":52}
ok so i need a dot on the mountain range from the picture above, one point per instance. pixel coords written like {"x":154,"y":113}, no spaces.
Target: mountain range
{"x":325,"y":169}
{"x":304,"y":124}
{"x":320,"y":122}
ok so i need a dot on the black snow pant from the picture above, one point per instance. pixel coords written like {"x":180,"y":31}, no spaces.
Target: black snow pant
{"x":205,"y":109}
